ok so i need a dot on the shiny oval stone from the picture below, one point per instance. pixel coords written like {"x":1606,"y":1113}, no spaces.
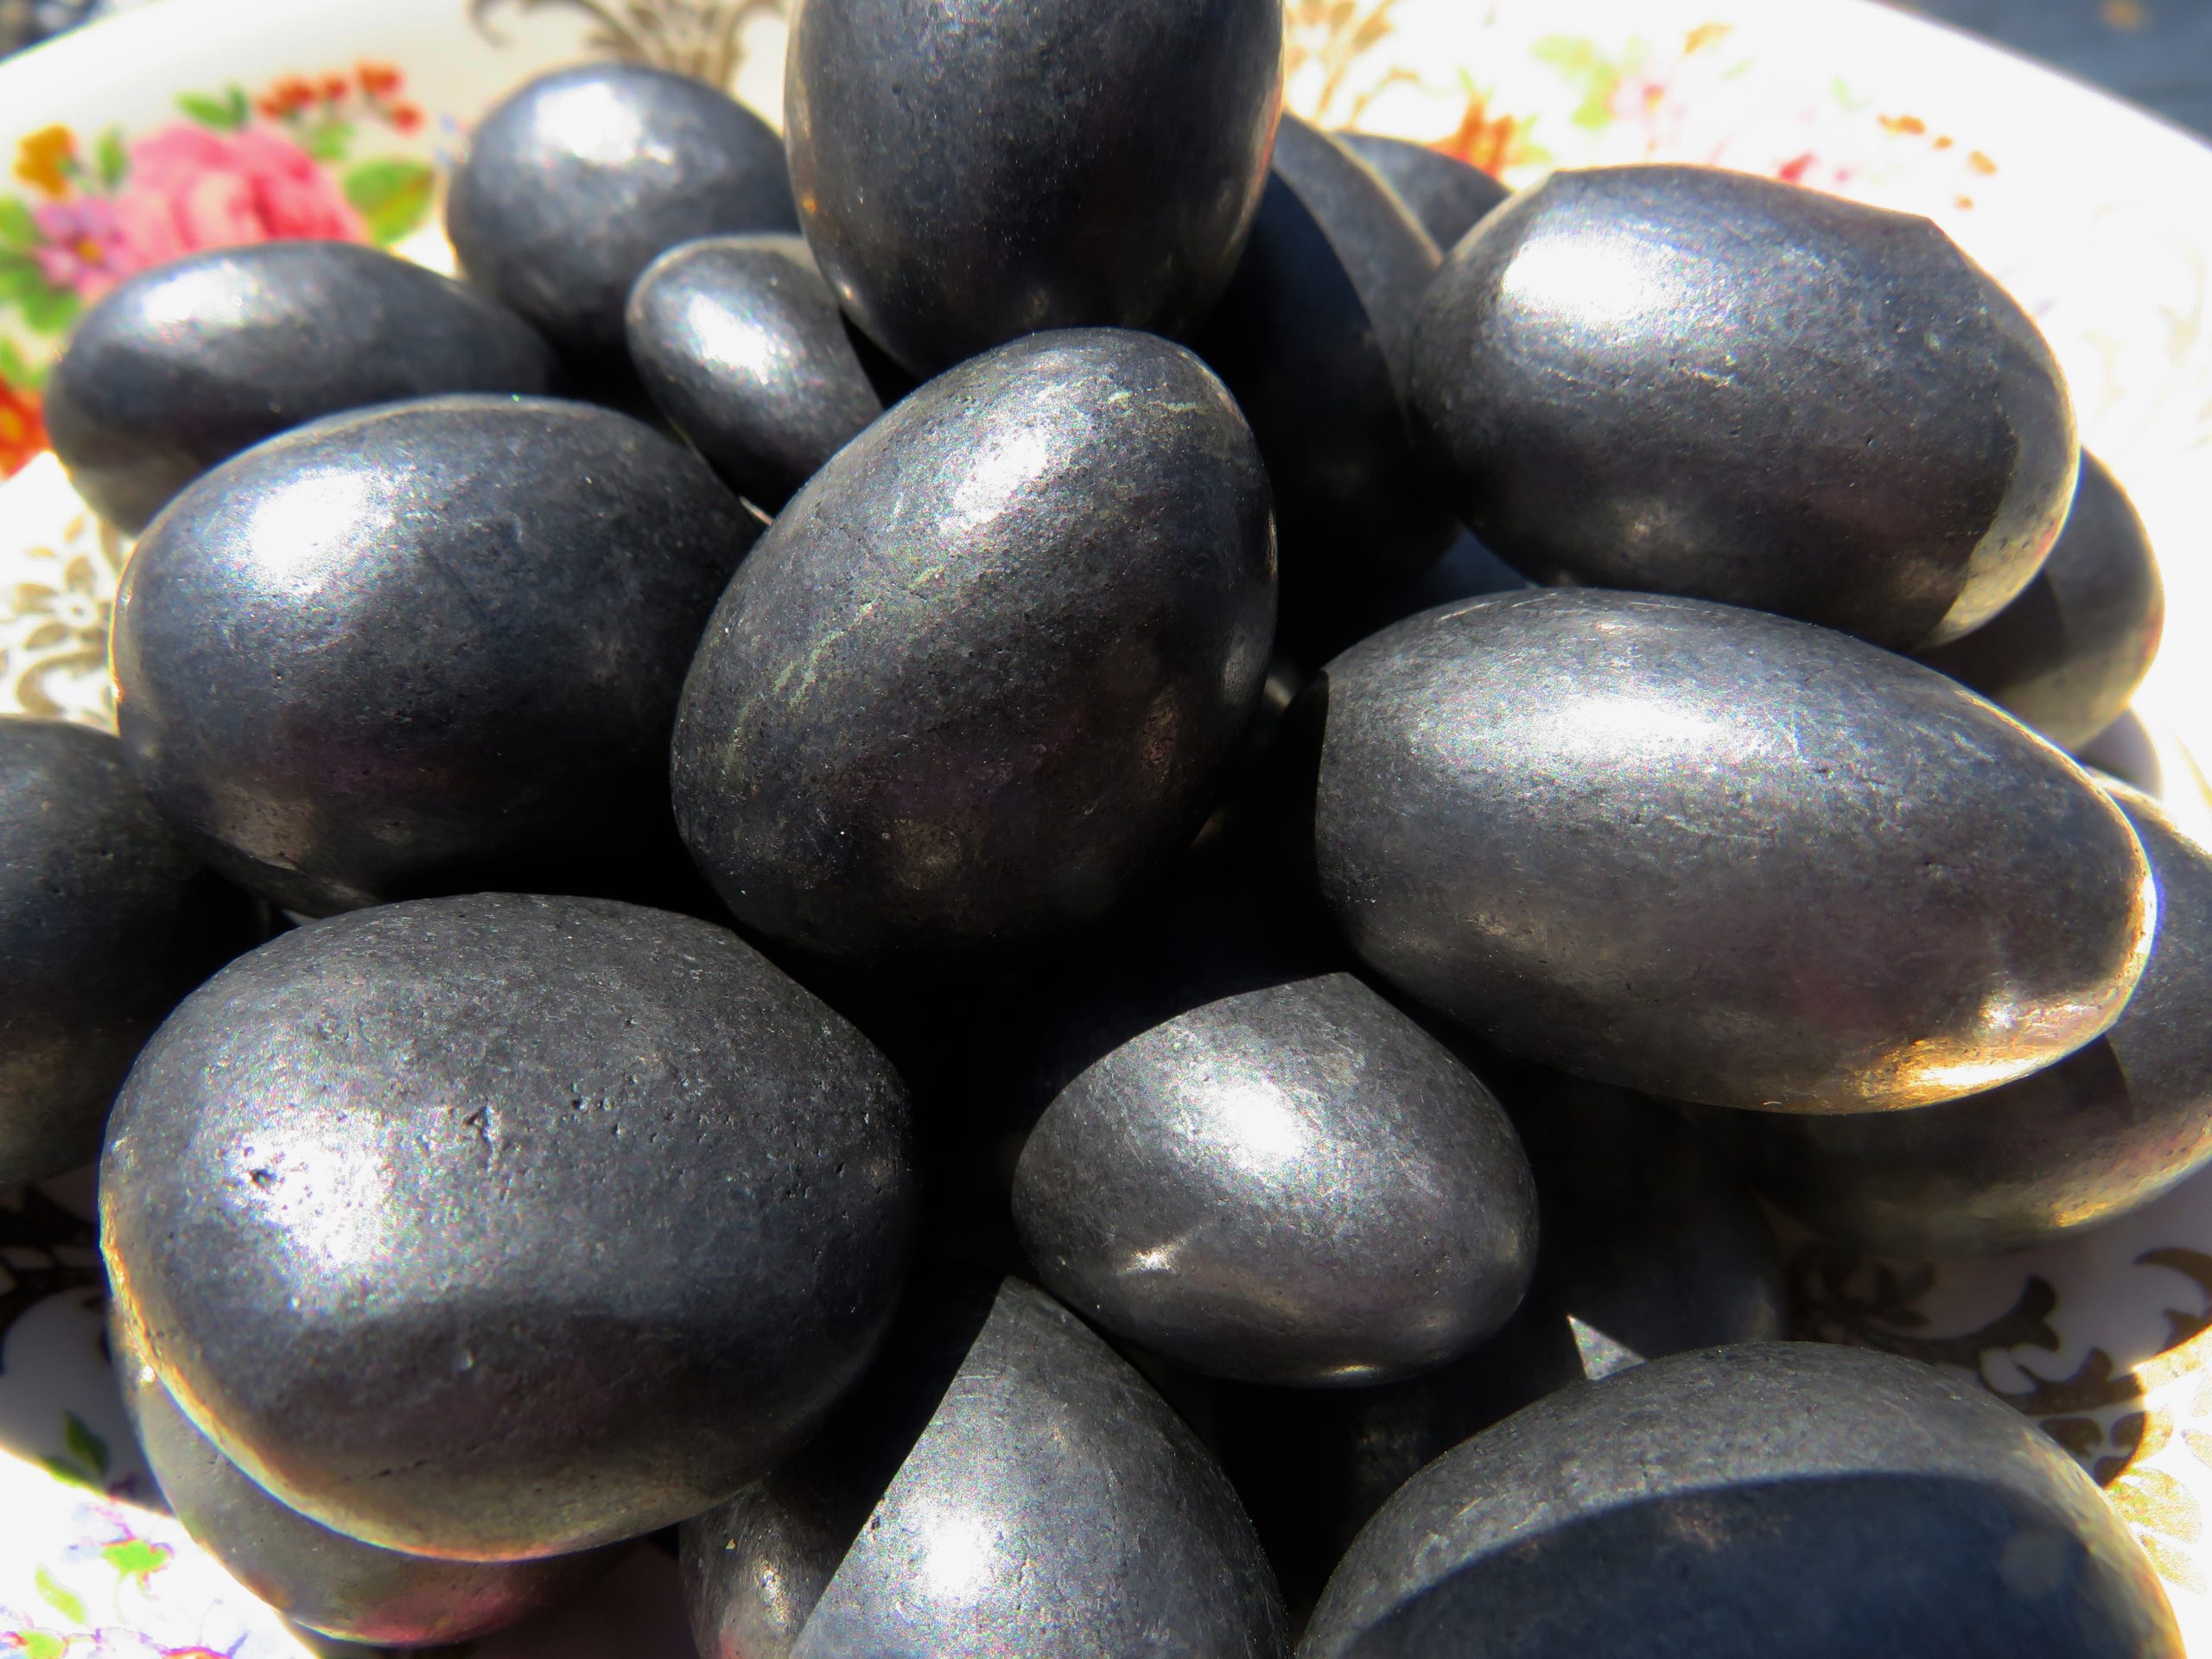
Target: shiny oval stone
{"x":1703,"y":382}
{"x":1294,"y":1185}
{"x":983,"y":676}
{"x":1716,"y":855}
{"x":967,"y":173}
{"x":2067,"y":654}
{"x":1835,"y":1502}
{"x":742,"y":346}
{"x":500,"y":1226}
{"x":450,"y":637}
{"x":1446,"y":194}
{"x":580,"y":179}
{"x":105,"y":923}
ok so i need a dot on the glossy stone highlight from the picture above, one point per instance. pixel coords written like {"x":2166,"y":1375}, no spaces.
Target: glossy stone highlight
{"x":500,"y":1226}
{"x":1835,"y":1502}
{"x":1702,"y":382}
{"x":1715,"y":855}
{"x":184,"y":365}
{"x":967,"y":173}
{"x":1446,"y":194}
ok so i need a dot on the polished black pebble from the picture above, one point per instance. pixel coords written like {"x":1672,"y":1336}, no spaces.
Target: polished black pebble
{"x":578,"y":180}
{"x":1794,"y":1498}
{"x":1294,"y":1185}
{"x":1311,"y":336}
{"x":501,"y":1227}
{"x":184,"y":365}
{"x":1715,"y":855}
{"x":1703,"y":382}
{"x":2067,"y":654}
{"x":967,"y":173}
{"x":334,"y":1585}
{"x":1008,"y":1486}
{"x":983,"y":676}
{"x":1443,"y":193}
{"x":740,"y":343}
{"x":2102,"y":1132}
{"x":105,"y":923}
{"x":450,"y":637}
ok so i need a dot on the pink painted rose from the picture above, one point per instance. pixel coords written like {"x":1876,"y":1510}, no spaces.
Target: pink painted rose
{"x":82,"y":247}
{"x":190,"y":188}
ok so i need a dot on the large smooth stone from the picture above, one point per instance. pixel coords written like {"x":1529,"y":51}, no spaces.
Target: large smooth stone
{"x":1311,"y":336}
{"x":1715,"y":855}
{"x":1703,"y":382}
{"x":445,"y":641}
{"x":740,"y":343}
{"x":1774,"y":1498}
{"x":105,"y":923}
{"x":983,"y":676}
{"x":968,"y":172}
{"x":1295,"y":1184}
{"x":2102,"y":1132}
{"x":500,"y":1226}
{"x":2067,"y":654}
{"x":334,"y":1585}
{"x":579,"y":179}
{"x":1446,"y":194}
{"x":1005,"y":1484}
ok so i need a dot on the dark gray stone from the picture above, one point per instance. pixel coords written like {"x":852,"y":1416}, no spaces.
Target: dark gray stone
{"x":1716,"y":855}
{"x":581,"y":178}
{"x":2067,"y":654}
{"x":1770,"y":1498}
{"x":105,"y":923}
{"x":501,"y":1227}
{"x":983,"y":676}
{"x":1708,"y":382}
{"x":968,"y":172}
{"x":449,"y":637}
{"x":1446,"y":194}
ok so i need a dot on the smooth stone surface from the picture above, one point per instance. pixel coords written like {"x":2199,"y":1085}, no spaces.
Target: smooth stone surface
{"x":500,"y":1226}
{"x":186,"y":364}
{"x":105,"y":923}
{"x":2102,"y":1132}
{"x":1716,"y":855}
{"x":332,"y":1584}
{"x":1702,"y":382}
{"x":2067,"y":654}
{"x":1296,"y":1184}
{"x":1446,"y":194}
{"x":982,"y":677}
{"x":967,"y":172}
{"x":450,"y":637}
{"x":1311,"y":336}
{"x":580,"y":179}
{"x":1772,"y":1498}
{"x":742,"y":346}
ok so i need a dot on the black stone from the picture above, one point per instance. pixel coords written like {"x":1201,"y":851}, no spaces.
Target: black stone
{"x":1443,"y":193}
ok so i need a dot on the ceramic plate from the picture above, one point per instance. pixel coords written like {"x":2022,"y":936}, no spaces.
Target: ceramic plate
{"x":193,"y":122}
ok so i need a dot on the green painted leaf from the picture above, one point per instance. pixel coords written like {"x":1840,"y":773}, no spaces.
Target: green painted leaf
{"x":17,"y":228}
{"x":225,"y":115}
{"x":78,"y":1437}
{"x":56,"y":1595}
{"x":15,"y":372}
{"x":137,"y":1558}
{"x":114,"y":161}
{"x":330,"y":142}
{"x":50,"y":310}
{"x":21,"y":280}
{"x":42,"y":1644}
{"x":393,"y":197}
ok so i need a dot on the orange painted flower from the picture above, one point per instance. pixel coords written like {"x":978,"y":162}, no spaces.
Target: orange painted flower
{"x":379,"y":79}
{"x":335,"y":87}
{"x":1490,"y":142}
{"x":406,"y":117}
{"x":22,"y":432}
{"x":44,"y":158}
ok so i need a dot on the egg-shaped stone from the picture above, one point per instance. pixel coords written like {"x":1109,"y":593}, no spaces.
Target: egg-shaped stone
{"x":580,"y":179}
{"x":186,"y":364}
{"x":2067,"y":654}
{"x":335,"y":1585}
{"x":499,"y":1227}
{"x":1293,"y":1184}
{"x":2102,"y":1132}
{"x":1774,"y":1497}
{"x":742,"y":347}
{"x":1311,"y":336}
{"x":449,"y":637}
{"x":1716,"y":855}
{"x":983,"y":676}
{"x":1443,"y":193}
{"x":106,"y":922}
{"x":1005,"y":1483}
{"x":967,"y":173}
{"x":1703,"y":382}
